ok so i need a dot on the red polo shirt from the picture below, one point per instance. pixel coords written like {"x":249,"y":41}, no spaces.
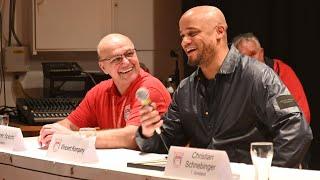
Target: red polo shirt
{"x":104,"y":107}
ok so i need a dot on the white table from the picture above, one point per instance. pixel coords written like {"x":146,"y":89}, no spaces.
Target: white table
{"x":33,"y":164}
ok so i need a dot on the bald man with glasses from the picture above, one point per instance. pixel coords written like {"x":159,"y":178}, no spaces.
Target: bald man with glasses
{"x":111,"y":105}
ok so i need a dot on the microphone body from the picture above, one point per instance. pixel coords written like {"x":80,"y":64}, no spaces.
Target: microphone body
{"x":142,"y":95}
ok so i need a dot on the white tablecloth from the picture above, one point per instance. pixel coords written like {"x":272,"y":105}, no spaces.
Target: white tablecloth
{"x":33,"y":163}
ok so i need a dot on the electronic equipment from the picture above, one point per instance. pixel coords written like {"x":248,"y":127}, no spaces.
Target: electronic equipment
{"x":68,"y":80}
{"x":61,"y":69}
{"x":45,"y":110}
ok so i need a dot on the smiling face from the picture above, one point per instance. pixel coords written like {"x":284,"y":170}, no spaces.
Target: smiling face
{"x":196,"y":39}
{"x":118,"y":58}
{"x":201,"y":31}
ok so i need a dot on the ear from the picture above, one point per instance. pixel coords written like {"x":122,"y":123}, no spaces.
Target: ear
{"x":262,"y":52}
{"x":261,"y":55}
{"x":102,"y":67}
{"x":220,"y":31}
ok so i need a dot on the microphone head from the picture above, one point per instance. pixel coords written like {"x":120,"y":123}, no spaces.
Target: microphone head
{"x":142,"y":95}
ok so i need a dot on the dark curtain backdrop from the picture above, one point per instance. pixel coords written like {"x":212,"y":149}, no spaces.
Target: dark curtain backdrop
{"x":288,"y":30}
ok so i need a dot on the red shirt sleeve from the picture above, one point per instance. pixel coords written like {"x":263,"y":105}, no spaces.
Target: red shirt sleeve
{"x":84,"y":115}
{"x":290,"y":79}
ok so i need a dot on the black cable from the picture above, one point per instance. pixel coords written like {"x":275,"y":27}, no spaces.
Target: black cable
{"x":90,"y":77}
{"x":10,"y":23}
{"x":12,"y":32}
{"x":2,"y":76}
{"x":1,"y":56}
{"x":59,"y":86}
{"x":13,"y":20}
{"x":5,"y":108}
{"x":17,"y":84}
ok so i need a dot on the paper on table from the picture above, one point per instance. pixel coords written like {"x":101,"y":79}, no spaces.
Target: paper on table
{"x":153,"y":163}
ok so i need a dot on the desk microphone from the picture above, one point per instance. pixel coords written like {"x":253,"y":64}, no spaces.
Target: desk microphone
{"x":142,"y":95}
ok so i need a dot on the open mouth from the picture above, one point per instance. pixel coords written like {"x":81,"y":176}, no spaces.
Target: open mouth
{"x":126,"y":71}
{"x":190,"y":50}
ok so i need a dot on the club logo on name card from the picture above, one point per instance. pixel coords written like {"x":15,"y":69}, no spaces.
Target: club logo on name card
{"x":196,"y":163}
{"x":74,"y":148}
{"x":56,"y":145}
{"x":177,"y":159}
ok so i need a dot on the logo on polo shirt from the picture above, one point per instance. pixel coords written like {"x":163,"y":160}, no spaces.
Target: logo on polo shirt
{"x":126,"y":112}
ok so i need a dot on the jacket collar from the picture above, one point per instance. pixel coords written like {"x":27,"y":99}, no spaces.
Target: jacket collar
{"x":230,"y":62}
{"x":228,"y":66}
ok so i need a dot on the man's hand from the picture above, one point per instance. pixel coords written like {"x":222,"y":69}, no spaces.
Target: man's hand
{"x":47,"y":132}
{"x":150,"y":120}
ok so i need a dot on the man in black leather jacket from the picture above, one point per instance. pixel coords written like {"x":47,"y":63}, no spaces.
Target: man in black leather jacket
{"x":228,"y":102}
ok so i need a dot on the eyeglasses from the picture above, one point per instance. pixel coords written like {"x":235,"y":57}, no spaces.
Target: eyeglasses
{"x":118,"y":58}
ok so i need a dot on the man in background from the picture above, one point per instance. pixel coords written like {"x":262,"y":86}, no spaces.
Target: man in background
{"x":111,"y":105}
{"x":248,"y":44}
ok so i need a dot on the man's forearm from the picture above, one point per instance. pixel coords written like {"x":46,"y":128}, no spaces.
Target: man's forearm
{"x":111,"y":138}
{"x":117,"y":138}
{"x":68,"y":124}
{"x":292,"y":143}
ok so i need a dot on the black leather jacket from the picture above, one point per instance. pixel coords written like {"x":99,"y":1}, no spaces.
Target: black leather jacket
{"x":246,"y":102}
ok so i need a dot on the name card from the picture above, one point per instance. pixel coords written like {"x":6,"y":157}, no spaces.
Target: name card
{"x":11,"y":138}
{"x":197,"y":163}
{"x":73,"y":148}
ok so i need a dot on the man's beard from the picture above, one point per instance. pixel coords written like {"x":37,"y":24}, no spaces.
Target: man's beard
{"x":202,"y":57}
{"x":196,"y":61}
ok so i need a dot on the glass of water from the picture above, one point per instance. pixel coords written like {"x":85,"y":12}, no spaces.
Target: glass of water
{"x":261,"y":155}
{"x":4,"y":120}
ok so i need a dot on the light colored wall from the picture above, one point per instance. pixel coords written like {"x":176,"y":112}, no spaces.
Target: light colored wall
{"x":158,"y":60}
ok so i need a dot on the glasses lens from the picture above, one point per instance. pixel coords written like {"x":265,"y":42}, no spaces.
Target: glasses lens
{"x":118,"y":59}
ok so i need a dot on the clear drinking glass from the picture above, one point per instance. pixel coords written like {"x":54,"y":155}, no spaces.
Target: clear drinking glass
{"x":261,"y":155}
{"x":4,"y":120}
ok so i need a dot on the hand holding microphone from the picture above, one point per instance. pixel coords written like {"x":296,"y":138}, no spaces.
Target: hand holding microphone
{"x":149,"y":120}
{"x":142,"y":95}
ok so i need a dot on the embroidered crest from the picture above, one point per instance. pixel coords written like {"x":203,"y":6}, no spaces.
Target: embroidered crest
{"x":126,"y":112}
